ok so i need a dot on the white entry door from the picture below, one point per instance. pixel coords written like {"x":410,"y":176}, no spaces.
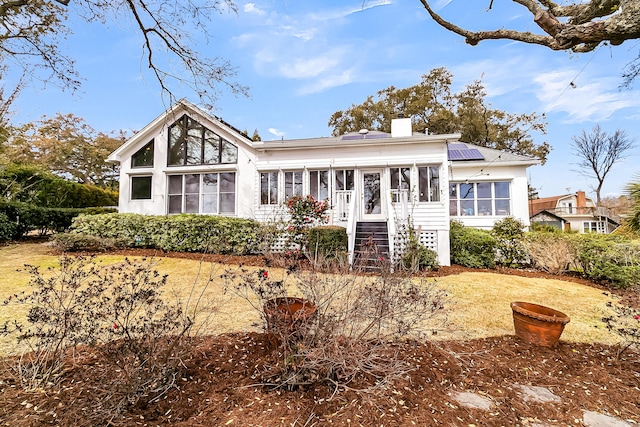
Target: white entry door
{"x":372,"y":204}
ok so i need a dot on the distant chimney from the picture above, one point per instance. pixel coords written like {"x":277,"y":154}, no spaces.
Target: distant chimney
{"x":581,"y":199}
{"x":401,"y":127}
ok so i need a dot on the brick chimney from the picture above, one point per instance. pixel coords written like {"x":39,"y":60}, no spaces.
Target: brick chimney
{"x":581,"y":200}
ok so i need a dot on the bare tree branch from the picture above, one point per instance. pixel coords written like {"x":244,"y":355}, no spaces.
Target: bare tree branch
{"x":579,"y":27}
{"x":599,"y":151}
{"x":30,"y":32}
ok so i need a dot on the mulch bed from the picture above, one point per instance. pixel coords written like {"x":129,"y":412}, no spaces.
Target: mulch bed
{"x":221,"y":385}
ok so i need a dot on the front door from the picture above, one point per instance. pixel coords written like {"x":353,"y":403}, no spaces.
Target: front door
{"x":372,"y":206}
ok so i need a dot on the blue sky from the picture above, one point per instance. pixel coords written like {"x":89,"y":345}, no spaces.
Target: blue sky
{"x":305,"y":60}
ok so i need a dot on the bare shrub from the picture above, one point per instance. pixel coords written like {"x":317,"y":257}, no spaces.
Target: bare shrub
{"x":118,"y":311}
{"x":551,"y":252}
{"x":348,"y":341}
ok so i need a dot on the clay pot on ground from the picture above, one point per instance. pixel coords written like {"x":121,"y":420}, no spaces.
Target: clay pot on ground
{"x":538,"y":324}
{"x":288,"y":318}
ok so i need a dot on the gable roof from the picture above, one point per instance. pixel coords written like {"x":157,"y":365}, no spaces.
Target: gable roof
{"x":173,"y":113}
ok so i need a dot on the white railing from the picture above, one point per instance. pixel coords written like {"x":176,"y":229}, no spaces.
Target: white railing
{"x":344,"y":199}
{"x":400,"y":200}
{"x":391,"y":221}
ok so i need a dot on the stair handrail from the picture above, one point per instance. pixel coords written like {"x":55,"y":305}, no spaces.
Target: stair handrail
{"x":391,"y":227}
{"x":351,"y":225}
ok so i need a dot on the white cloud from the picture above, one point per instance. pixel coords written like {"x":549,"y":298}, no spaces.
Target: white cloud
{"x":276,"y":132}
{"x":304,"y":68}
{"x":252,"y":8}
{"x":589,"y":99}
{"x":327,"y":82}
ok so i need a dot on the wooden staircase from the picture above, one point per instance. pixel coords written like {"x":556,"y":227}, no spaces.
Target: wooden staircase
{"x":371,"y":246}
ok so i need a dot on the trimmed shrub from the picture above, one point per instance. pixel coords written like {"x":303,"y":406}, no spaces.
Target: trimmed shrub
{"x":70,"y":242}
{"x":23,"y":218}
{"x":471,"y":247}
{"x":607,"y":258}
{"x":509,"y":238}
{"x":180,"y":233}
{"x":34,"y":185}
{"x":328,"y":241}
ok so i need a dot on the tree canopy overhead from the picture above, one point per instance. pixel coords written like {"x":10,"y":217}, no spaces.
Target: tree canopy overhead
{"x":31,"y":31}
{"x":578,"y":25}
{"x":434,"y":109}
{"x":575,"y":25}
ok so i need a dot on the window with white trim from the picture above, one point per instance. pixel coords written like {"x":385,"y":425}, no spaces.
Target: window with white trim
{"x":486,"y":198}
{"x":292,"y":184}
{"x":594,"y":227}
{"x":143,"y":158}
{"x":344,"y":179}
{"x":429,"y":183}
{"x":141,"y":187}
{"x":207,"y":193}
{"x":269,"y":188}
{"x":319,"y":184}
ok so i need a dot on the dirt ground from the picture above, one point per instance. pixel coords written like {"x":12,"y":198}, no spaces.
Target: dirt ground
{"x":221,"y":385}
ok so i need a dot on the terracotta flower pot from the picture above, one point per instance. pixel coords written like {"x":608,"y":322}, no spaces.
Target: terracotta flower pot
{"x":538,"y":324}
{"x":288,"y":318}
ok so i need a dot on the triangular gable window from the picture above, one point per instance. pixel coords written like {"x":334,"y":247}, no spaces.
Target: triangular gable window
{"x":190,"y":143}
{"x":143,"y":158}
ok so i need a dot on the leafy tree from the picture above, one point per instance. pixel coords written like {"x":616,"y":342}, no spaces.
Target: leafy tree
{"x":66,"y":146}
{"x":30,"y":32}
{"x":256,"y":136}
{"x":579,"y":26}
{"x":434,"y":109}
{"x":599,"y":151}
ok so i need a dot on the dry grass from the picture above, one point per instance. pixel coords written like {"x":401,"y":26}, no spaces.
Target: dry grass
{"x":478,"y":305}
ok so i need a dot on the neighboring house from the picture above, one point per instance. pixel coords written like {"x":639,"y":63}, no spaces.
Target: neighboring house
{"x":187,"y":161}
{"x":575,"y":212}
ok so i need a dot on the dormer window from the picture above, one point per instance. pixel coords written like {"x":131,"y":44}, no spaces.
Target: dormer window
{"x":143,"y":158}
{"x":190,"y":143}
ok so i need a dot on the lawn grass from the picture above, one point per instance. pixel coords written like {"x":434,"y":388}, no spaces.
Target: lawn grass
{"x":478,"y":303}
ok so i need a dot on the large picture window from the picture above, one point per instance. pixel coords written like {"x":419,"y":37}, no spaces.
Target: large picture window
{"x":140,"y":187}
{"x":429,"y":184}
{"x":269,"y":188}
{"x":190,"y":143}
{"x":143,"y":158}
{"x":480,"y":199}
{"x":208,"y":193}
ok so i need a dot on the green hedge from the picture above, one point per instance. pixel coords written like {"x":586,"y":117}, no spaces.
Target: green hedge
{"x":472,"y":247}
{"x":328,"y":241}
{"x":180,"y":233}
{"x":18,"y":219}
{"x":34,"y":185}
{"x":608,"y":258}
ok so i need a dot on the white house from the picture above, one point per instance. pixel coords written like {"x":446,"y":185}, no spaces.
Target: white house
{"x":575,"y":212}
{"x":188,"y":161}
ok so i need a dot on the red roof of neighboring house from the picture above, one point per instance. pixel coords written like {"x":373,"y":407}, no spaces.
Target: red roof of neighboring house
{"x":546,"y":203}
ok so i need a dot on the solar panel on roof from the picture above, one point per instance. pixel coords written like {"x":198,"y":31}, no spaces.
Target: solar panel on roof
{"x":466,"y":154}
{"x":376,"y":136}
{"x":352,"y":137}
{"x":457,"y":146}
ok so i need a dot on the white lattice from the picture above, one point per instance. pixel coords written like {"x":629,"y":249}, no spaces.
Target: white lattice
{"x":429,"y":238}
{"x":281,"y":244}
